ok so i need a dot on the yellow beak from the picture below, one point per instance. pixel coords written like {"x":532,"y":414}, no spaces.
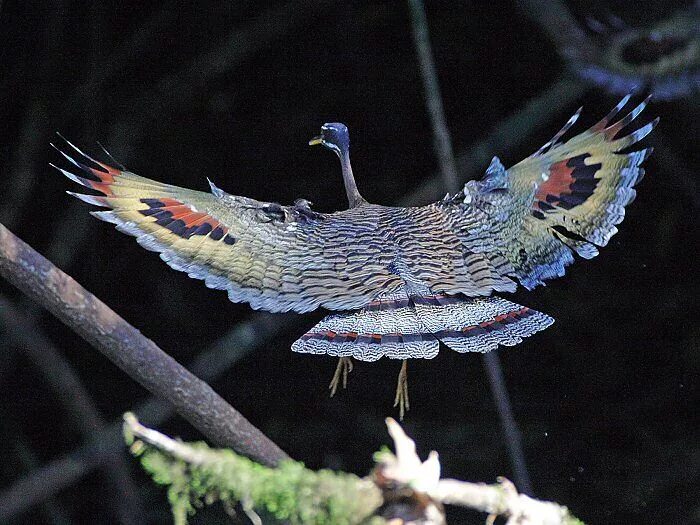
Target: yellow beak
{"x":316,"y":141}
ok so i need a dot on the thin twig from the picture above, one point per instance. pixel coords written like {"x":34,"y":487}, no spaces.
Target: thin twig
{"x":502,"y":499}
{"x":23,"y":169}
{"x":443,"y":149}
{"x":405,"y":468}
{"x":506,"y":135}
{"x":514,"y":441}
{"x":132,"y":352}
{"x":30,"y":490}
{"x":441,"y":134}
{"x":53,"y":512}
{"x":557,"y":22}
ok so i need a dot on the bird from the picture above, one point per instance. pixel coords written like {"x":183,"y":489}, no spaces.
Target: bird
{"x":397,"y":281}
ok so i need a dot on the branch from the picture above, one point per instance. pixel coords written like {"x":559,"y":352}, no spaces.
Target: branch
{"x":557,"y":22}
{"x":60,"y":376}
{"x":53,"y":512}
{"x":131,"y":351}
{"x":290,"y":492}
{"x":441,"y":135}
{"x":401,"y":487}
{"x":506,"y":135}
{"x":502,"y":499}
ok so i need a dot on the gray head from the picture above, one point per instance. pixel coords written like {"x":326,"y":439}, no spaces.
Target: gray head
{"x":334,"y":136}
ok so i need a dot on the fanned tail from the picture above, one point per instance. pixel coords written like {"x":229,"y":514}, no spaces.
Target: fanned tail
{"x":480,"y":324}
{"x":411,"y":328}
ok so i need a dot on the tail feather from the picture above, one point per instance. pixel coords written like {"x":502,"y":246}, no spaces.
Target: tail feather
{"x":386,"y":328}
{"x":412,"y":328}
{"x":481,"y":324}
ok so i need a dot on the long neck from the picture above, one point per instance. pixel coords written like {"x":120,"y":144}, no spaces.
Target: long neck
{"x":354,"y":197}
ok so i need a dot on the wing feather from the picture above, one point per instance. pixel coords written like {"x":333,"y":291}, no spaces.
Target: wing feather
{"x":574,"y":195}
{"x":276,"y":258}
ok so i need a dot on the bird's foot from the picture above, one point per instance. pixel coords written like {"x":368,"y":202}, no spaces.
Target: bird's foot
{"x":341,"y":374}
{"x":401,"y":399}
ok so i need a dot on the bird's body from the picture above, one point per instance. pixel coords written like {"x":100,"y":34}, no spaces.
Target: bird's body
{"x":398,"y":279}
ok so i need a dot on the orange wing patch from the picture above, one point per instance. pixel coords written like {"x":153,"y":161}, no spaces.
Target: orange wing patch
{"x":571,"y":182}
{"x":176,"y":216}
{"x":183,"y":220}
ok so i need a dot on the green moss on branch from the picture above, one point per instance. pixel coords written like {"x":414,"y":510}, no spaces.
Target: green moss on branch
{"x":196,"y":475}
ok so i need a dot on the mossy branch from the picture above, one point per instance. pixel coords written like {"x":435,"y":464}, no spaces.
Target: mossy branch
{"x":402,"y":488}
{"x":196,"y":474}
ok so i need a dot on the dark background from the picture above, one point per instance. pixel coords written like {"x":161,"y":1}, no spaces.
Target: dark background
{"x":232,"y":91}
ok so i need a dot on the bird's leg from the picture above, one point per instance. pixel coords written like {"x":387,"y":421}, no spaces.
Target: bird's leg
{"x":401,"y":398}
{"x":341,"y":372}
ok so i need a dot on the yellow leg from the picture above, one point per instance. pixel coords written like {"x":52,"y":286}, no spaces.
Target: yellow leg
{"x":341,"y":372}
{"x":401,"y":398}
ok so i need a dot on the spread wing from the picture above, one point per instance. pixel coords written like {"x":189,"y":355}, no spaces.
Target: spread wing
{"x":575,"y":193}
{"x":277,"y":258}
{"x":568,"y":197}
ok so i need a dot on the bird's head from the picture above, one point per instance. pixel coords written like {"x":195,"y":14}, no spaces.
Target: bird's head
{"x":334,"y":136}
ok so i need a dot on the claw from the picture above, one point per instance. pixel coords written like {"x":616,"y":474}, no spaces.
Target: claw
{"x":341,"y":372}
{"x":401,"y":399}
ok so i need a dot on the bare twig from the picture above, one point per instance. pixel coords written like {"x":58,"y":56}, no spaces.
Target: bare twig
{"x":514,"y":442}
{"x":29,"y":490}
{"x":406,"y":469}
{"x":59,"y":375}
{"x":132,"y":352}
{"x":53,"y":512}
{"x":448,"y":167}
{"x":556,"y":21}
{"x":502,"y":499}
{"x":441,"y":134}
{"x":22,"y":170}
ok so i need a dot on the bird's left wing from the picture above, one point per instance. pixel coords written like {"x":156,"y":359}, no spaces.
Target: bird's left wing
{"x":574,"y":194}
{"x":277,"y":258}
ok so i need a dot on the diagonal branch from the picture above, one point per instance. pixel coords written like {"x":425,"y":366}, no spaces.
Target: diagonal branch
{"x":131,"y":351}
{"x":508,"y":134}
{"x":557,"y":22}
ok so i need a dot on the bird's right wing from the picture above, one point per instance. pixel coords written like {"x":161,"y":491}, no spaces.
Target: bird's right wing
{"x":277,"y":258}
{"x":526,"y":222}
{"x":576,"y":193}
